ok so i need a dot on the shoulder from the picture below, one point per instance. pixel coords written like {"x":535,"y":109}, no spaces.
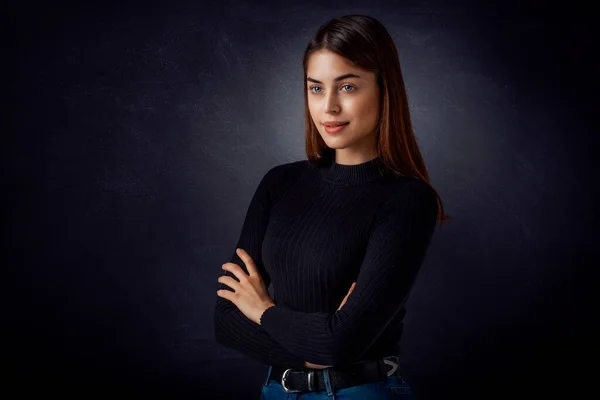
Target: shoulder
{"x":289,"y":167}
{"x":286,"y":172}
{"x":411,"y":195}
{"x":281,"y":177}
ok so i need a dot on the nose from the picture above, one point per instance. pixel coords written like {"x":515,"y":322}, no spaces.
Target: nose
{"x":332,"y":104}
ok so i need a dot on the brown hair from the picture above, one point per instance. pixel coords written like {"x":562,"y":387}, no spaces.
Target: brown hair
{"x":366,"y":43}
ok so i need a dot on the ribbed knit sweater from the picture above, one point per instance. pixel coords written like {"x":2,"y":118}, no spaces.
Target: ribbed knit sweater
{"x":312,"y":230}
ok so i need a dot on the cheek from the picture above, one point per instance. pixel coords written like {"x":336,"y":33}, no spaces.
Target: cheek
{"x":366,"y":113}
{"x":312,"y":111}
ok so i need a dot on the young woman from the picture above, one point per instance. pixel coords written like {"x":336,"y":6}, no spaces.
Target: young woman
{"x":341,"y":235}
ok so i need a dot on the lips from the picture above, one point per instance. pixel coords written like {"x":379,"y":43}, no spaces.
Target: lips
{"x":334,"y":124}
{"x":334,"y":130}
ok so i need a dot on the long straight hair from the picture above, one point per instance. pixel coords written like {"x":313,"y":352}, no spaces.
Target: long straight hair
{"x":366,"y":43}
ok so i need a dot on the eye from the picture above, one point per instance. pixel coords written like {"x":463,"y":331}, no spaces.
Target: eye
{"x":318,"y":87}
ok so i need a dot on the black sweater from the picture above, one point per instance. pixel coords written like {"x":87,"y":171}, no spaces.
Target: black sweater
{"x":314,"y":230}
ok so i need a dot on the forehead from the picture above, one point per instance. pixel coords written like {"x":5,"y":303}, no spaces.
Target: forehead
{"x":326,"y":63}
{"x":325,"y":66}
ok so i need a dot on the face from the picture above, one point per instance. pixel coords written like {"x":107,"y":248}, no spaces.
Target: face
{"x":333,"y":95}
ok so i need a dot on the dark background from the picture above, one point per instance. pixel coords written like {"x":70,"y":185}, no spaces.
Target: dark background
{"x":142,"y":131}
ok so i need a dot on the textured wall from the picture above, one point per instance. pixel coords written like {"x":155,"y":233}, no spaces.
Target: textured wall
{"x":142,"y":132}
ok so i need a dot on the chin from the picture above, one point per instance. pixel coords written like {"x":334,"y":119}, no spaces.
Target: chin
{"x":336,"y":145}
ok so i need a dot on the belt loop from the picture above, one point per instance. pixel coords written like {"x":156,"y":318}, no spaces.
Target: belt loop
{"x":326,"y":378}
{"x":268,"y":375}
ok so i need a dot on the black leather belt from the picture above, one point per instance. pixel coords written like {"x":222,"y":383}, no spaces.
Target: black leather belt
{"x":311,"y":380}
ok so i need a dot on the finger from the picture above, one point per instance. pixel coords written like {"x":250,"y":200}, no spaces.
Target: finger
{"x":245,"y":257}
{"x":347,"y":295}
{"x":235,"y":270}
{"x":344,"y":301}
{"x":351,"y":289}
{"x":229,"y":281}
{"x":226,"y":294}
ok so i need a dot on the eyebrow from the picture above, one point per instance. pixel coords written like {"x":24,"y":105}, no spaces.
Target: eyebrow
{"x":339,"y":78}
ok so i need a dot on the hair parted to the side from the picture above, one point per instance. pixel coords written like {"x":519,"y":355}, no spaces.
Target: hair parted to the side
{"x":365,"y":42}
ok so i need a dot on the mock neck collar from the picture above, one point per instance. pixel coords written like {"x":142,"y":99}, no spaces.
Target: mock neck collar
{"x":342,"y":174}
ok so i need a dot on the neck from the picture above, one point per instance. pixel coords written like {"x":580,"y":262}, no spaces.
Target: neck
{"x":354,"y":174}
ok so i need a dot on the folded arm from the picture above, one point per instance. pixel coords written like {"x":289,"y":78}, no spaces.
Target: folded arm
{"x":232,"y":328}
{"x":400,"y":236}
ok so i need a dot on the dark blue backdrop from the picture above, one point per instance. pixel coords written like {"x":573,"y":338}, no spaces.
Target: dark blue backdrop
{"x":142,"y":132}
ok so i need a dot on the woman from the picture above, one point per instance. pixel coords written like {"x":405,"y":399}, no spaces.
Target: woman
{"x":340,"y":235}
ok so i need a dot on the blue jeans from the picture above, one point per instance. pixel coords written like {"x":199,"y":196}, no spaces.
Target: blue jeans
{"x":393,"y":388}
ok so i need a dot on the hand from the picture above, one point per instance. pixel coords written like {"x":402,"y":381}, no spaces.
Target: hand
{"x":250,"y":294}
{"x":346,"y":298}
{"x":317,"y":366}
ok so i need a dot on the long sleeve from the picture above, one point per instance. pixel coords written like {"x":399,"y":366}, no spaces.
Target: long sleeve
{"x":400,"y":235}
{"x":232,"y":328}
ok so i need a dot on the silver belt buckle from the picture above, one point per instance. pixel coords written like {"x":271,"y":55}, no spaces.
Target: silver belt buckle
{"x":394,"y":367}
{"x":283,"y":382}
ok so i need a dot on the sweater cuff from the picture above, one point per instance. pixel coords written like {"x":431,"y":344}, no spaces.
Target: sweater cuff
{"x":266,"y":313}
{"x":273,"y":320}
